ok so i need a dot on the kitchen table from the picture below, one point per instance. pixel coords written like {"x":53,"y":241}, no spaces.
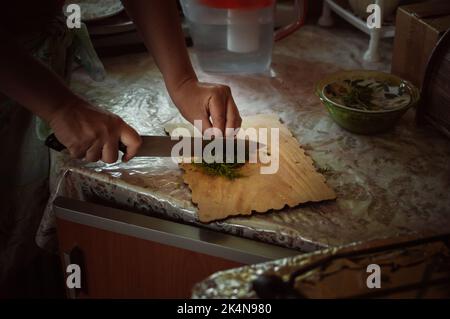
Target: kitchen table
{"x":388,"y":184}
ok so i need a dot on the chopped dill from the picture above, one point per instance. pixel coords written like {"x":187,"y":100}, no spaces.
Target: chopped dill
{"x":227,"y":170}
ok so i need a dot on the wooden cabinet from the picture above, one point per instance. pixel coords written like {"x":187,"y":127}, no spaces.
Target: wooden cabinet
{"x":127,"y":255}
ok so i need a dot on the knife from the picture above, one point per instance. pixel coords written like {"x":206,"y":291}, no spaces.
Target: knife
{"x":161,"y":146}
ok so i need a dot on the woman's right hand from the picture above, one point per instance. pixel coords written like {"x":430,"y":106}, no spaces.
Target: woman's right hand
{"x":93,"y":134}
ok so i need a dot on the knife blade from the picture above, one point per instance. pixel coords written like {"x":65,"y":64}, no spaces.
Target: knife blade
{"x":161,"y":146}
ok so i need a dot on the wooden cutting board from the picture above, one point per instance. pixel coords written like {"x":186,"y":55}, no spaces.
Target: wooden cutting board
{"x":295,"y":182}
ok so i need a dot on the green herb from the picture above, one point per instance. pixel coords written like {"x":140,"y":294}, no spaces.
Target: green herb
{"x":227,"y":170}
{"x":369,"y":95}
{"x":359,"y":96}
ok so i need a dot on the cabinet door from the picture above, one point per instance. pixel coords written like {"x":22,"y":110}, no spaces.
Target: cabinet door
{"x":114,"y":265}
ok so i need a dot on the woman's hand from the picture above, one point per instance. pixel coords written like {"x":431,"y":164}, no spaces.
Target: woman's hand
{"x":210,"y":103}
{"x":91,"y":133}
{"x":160,"y":27}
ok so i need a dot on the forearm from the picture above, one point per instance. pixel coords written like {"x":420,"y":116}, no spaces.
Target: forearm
{"x":30,"y":83}
{"x":159,"y":25}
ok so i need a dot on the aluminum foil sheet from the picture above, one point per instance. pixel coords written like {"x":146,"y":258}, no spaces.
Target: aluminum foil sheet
{"x":421,"y":270}
{"x":389,"y":184}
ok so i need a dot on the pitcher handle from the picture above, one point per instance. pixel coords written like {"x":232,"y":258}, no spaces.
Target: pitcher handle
{"x":300,"y":7}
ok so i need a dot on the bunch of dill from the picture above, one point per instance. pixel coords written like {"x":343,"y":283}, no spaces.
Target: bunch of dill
{"x":227,"y":170}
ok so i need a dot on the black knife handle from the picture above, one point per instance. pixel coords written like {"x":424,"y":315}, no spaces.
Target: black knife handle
{"x":53,"y":143}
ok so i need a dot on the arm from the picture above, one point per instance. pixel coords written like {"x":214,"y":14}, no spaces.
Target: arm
{"x":159,"y":24}
{"x":85,"y":130}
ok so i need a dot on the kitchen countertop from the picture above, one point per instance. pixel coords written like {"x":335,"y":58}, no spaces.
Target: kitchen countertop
{"x":389,"y":184}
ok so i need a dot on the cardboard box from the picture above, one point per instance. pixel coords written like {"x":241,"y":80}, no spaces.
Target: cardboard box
{"x":418,"y":29}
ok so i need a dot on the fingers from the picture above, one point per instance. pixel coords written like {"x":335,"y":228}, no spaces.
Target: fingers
{"x":131,"y":139}
{"x":77,"y":152}
{"x":110,"y":152}
{"x":92,"y":133}
{"x":94,"y":153}
{"x":211,"y":104}
{"x":234,"y":120}
{"x":218,"y":112}
{"x":206,"y":125}
{"x":224,"y":112}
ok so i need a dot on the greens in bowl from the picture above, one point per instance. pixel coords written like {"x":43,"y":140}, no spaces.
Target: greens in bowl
{"x":366,"y":102}
{"x":368,"y":94}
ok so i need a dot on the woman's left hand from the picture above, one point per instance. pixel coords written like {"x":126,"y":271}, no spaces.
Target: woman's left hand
{"x":210,"y":103}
